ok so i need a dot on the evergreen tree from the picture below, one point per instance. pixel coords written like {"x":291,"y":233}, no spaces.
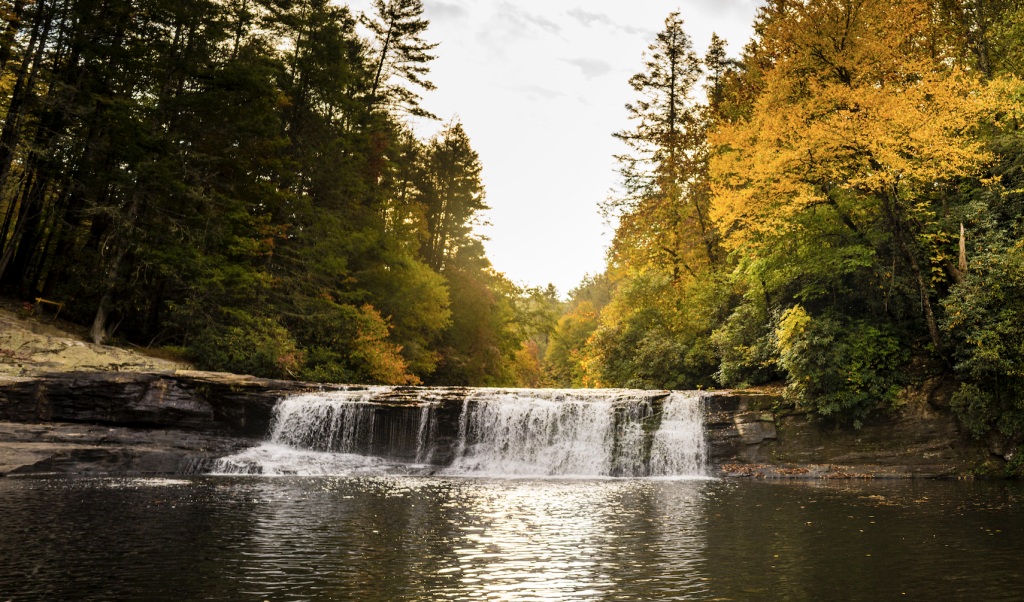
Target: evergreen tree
{"x":401,"y":55}
{"x":663,"y":215}
{"x":452,"y":195}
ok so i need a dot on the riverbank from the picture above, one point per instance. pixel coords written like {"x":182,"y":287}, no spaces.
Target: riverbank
{"x":36,"y":344}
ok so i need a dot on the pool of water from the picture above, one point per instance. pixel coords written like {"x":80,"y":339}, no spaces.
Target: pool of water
{"x":430,"y":538}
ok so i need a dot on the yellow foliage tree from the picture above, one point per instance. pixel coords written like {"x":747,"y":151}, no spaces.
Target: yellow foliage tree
{"x":563,"y":360}
{"x":862,"y":112}
{"x":527,"y":366}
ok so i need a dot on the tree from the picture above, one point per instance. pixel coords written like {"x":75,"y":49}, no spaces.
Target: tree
{"x":452,"y":195}
{"x":480,"y":346}
{"x":210,"y":175}
{"x":401,"y":54}
{"x":665,"y":254}
{"x":857,"y":122}
{"x":663,"y":218}
{"x":563,"y":359}
{"x":719,"y":66}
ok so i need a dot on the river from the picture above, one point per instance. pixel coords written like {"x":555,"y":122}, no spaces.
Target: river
{"x":462,"y":538}
{"x":518,"y":495}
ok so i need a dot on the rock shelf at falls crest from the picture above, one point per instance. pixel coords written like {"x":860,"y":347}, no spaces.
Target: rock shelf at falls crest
{"x":505,"y":432}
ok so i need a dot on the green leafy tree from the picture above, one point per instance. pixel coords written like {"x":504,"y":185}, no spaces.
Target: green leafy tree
{"x":563,"y":359}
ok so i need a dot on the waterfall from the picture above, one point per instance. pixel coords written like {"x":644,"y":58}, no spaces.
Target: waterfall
{"x":481,"y":432}
{"x":519,"y":432}
{"x":679,"y":446}
{"x":341,"y":432}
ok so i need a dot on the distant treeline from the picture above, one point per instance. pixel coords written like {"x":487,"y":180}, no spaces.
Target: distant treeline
{"x":235,"y":180}
{"x":839,"y":208}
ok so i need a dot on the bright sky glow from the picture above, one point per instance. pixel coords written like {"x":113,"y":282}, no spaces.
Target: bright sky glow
{"x":539,"y":86}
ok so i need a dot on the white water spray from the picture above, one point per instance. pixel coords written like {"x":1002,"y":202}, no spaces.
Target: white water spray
{"x":679,"y":446}
{"x":513,"y":432}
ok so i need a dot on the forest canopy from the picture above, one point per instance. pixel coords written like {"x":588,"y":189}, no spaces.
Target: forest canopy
{"x":839,"y":209}
{"x":237,"y":181}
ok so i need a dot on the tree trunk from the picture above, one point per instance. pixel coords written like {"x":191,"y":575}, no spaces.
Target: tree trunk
{"x":98,"y":332}
{"x":380,"y":64}
{"x":19,"y":227}
{"x":958,"y":272}
{"x":12,"y":208}
{"x":30,"y":284}
{"x":22,"y":91}
{"x":897,"y":230}
{"x":29,"y":239}
{"x":13,"y":25}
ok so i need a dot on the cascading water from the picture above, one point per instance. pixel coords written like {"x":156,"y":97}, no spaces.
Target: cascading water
{"x":513,"y":432}
{"x":516,"y":433}
{"x":679,"y":446}
{"x":341,"y":432}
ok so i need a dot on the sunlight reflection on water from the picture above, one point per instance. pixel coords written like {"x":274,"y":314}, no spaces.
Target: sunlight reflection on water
{"x":425,"y":538}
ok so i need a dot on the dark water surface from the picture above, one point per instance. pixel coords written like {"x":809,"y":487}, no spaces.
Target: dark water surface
{"x":408,"y":538}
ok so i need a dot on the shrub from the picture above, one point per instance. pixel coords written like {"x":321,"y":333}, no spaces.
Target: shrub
{"x":839,"y":369}
{"x":984,"y":320}
{"x":247,"y":345}
{"x":746,"y":347}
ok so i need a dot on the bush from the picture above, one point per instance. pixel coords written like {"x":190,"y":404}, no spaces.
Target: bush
{"x":746,"y":347}
{"x":839,"y":369}
{"x":248,"y":345}
{"x":984,"y":320}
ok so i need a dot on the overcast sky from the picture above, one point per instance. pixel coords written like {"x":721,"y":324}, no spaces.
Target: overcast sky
{"x":539,"y":86}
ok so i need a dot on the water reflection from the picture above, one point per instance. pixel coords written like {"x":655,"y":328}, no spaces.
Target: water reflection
{"x":459,"y":539}
{"x":421,"y":538}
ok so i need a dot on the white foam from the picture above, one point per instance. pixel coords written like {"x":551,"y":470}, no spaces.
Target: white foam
{"x":273,"y":459}
{"x":502,"y":433}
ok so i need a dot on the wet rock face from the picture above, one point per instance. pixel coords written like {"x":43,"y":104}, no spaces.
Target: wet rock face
{"x":737,"y":423}
{"x":105,"y":398}
{"x":756,"y":432}
{"x":91,"y":449}
{"x":188,"y":400}
{"x":171,"y":422}
{"x":922,"y":438}
{"x":131,"y":422}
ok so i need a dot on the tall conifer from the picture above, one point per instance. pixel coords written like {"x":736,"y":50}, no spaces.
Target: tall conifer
{"x":401,"y":54}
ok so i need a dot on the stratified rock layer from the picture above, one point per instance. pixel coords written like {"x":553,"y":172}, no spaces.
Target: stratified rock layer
{"x":761,"y":435}
{"x":168,"y":421}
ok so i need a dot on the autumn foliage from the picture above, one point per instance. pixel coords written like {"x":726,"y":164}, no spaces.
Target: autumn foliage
{"x":803,"y":223}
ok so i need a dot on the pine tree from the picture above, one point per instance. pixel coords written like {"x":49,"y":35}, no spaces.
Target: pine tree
{"x":663,"y":216}
{"x":718,"y":65}
{"x":453,"y":196}
{"x":401,"y":54}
